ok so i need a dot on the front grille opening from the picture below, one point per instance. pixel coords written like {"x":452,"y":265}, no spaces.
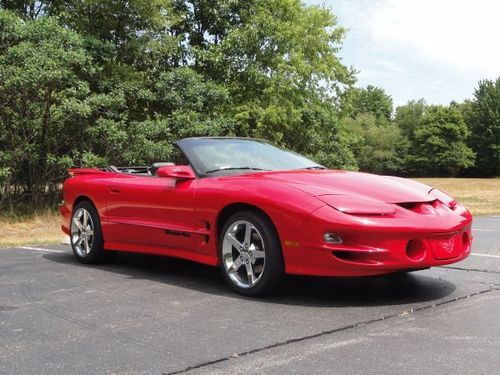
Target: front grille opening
{"x":344,"y":255}
{"x":355,"y":257}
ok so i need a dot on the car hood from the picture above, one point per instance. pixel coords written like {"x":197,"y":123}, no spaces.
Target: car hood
{"x":382,"y":188}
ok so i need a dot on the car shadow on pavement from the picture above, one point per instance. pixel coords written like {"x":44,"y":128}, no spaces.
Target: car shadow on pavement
{"x":397,"y":289}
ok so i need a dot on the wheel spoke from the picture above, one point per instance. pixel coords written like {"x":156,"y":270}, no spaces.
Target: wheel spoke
{"x":86,"y":245}
{"x":79,"y":241}
{"x":85,"y":218}
{"x":248,"y":232}
{"x":236,"y":244}
{"x":258,"y":254}
{"x":78,"y":223}
{"x":250,"y":274}
{"x":235,"y":266}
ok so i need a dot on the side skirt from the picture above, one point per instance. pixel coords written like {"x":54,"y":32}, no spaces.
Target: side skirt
{"x":155,"y":250}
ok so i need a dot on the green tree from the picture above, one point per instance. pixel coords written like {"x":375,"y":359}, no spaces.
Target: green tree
{"x":41,"y":69}
{"x":86,"y":82}
{"x":372,"y":100}
{"x":409,"y":116}
{"x":26,"y":9}
{"x":366,"y":114}
{"x":129,"y":25}
{"x":439,"y":145}
{"x":484,"y":120}
{"x":276,"y":60}
{"x":283,"y":69}
{"x":376,"y":145}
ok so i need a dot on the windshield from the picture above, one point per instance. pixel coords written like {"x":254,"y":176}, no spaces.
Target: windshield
{"x":215,"y":156}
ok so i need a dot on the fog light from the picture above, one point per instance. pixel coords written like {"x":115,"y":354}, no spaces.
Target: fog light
{"x":415,"y":250}
{"x":331,"y":238}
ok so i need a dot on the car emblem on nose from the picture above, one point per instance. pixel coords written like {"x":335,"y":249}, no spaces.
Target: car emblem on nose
{"x":449,"y":245}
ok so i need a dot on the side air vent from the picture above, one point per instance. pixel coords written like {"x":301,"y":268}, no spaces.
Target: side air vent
{"x":420,"y":207}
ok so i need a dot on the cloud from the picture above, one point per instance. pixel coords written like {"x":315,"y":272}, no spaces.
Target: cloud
{"x":435,"y":49}
{"x":462,"y":33}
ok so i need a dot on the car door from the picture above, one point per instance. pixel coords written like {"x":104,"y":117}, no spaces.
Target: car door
{"x":152,"y":211}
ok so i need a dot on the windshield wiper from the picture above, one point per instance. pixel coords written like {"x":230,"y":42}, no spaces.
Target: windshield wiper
{"x":236,"y":168}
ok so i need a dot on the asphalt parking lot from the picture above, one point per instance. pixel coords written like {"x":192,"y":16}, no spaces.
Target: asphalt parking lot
{"x":145,"y":314}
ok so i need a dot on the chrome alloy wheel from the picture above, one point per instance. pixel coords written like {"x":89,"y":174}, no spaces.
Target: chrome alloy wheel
{"x":243,"y":254}
{"x":82,"y":232}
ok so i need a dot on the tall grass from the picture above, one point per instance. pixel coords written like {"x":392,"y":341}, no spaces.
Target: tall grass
{"x":40,"y":227}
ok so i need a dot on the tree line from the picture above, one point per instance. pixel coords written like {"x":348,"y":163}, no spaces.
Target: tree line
{"x":417,"y":139}
{"x":89,"y":83}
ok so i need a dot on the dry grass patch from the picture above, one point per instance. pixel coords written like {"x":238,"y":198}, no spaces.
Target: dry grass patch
{"x":39,"y":228}
{"x":480,"y":195}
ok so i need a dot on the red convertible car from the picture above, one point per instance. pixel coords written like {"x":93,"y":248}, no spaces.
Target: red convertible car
{"x":260,"y":212}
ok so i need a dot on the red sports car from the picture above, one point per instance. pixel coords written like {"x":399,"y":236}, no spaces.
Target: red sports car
{"x":260,"y":212}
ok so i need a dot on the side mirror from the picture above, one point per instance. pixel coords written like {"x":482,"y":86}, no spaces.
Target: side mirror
{"x":180,"y":172}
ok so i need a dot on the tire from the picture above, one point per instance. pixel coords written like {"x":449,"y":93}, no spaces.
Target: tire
{"x":86,"y":235}
{"x":257,"y":251}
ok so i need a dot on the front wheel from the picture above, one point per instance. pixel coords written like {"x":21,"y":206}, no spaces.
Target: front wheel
{"x":86,"y":235}
{"x":250,"y":253}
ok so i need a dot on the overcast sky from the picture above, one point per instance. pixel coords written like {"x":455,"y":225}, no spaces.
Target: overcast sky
{"x":432,"y":49}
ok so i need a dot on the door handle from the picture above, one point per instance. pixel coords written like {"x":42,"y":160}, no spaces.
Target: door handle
{"x":114,"y":189}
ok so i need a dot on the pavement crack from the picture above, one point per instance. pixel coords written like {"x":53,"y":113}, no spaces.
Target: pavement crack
{"x":405,"y":312}
{"x":470,"y":269}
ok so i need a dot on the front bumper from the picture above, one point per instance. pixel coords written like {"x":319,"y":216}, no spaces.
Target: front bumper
{"x":379,"y":245}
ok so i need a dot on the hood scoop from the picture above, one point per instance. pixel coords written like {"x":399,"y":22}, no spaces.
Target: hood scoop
{"x":356,"y":205}
{"x":425,"y":208}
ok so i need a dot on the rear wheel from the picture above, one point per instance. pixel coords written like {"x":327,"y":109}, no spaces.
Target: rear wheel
{"x":86,"y":235}
{"x":250,"y":253}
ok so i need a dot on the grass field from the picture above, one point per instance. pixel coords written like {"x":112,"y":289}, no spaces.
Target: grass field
{"x":40,"y":228}
{"x":481,"y":196}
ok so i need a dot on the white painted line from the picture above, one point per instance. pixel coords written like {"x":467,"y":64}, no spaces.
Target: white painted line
{"x":41,"y":249}
{"x":485,"y":230}
{"x":485,"y":255}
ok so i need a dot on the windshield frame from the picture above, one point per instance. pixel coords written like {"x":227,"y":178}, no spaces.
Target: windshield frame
{"x":185,"y":146}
